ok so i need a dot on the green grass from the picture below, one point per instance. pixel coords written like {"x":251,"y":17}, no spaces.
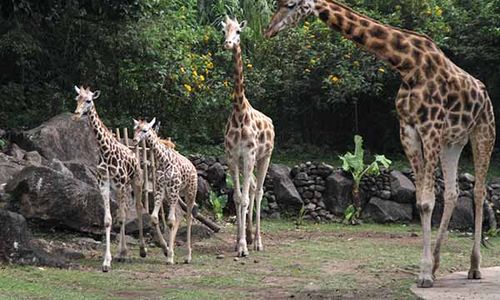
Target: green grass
{"x":366,"y":261}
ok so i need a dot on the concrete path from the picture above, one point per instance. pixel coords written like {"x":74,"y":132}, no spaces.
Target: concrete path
{"x":457,"y":286}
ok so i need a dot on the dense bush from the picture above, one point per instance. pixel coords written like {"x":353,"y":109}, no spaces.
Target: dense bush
{"x":164,"y":58}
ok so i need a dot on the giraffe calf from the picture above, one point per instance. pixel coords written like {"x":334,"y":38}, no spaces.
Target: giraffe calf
{"x":176,"y":177}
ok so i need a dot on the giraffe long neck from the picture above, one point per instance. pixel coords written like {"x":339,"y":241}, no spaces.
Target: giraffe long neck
{"x":402,"y":49}
{"x":161,"y":152}
{"x":101,"y":132}
{"x":239,"y":100}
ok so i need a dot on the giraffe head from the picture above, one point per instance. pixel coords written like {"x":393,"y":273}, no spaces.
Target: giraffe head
{"x":143,"y":130}
{"x":84,"y":101}
{"x":232,"y":30}
{"x":289,"y":13}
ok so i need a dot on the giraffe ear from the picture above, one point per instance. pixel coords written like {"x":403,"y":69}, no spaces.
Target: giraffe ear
{"x":96,"y":94}
{"x":243,"y":24}
{"x":152,"y":123}
{"x":77,"y":89}
{"x":136,"y":123}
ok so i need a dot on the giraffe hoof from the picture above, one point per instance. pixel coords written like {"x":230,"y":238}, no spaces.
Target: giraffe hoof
{"x":106,"y":269}
{"x":143,"y":252}
{"x":474,"y":274}
{"x":425,"y":281}
{"x":258,"y":247}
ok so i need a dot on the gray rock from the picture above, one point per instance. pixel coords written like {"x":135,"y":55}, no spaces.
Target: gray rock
{"x":463,"y":215}
{"x":466,"y":177}
{"x":203,"y":192}
{"x":338,"y":194}
{"x":83,"y":172}
{"x":63,"y":138}
{"x":33,"y":158}
{"x":216,"y":175}
{"x":43,"y":194}
{"x":9,"y":167}
{"x":383,"y":211}
{"x":60,"y":167}
{"x":16,"y":151}
{"x":286,"y":194}
{"x":402,"y":188}
{"x":386,"y":195}
{"x":17,"y":246}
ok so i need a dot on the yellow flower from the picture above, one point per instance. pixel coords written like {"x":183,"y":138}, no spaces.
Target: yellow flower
{"x":439,"y":11}
{"x":249,"y":66}
{"x":195,"y":74}
{"x":226,"y":83}
{"x":202,"y":78}
{"x":381,"y":70}
{"x":183,"y":70}
{"x":312,"y":61}
{"x":308,"y":46}
{"x":188,"y":88}
{"x":205,"y":39}
{"x":356,"y":63}
{"x":210,"y":65}
{"x":334,"y":79}
{"x":209,"y":53}
{"x":307,"y":70}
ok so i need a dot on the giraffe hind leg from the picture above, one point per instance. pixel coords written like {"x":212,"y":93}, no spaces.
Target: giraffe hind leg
{"x":482,"y":141}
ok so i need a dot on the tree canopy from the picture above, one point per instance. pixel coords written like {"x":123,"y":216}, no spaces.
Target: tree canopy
{"x":165,"y":58}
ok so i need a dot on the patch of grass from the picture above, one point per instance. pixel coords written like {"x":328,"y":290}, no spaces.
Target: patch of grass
{"x":365,"y":261}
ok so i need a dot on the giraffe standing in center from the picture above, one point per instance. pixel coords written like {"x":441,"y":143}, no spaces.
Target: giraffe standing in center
{"x":118,"y":167}
{"x":249,"y":143}
{"x":441,"y":107}
{"x":176,"y":176}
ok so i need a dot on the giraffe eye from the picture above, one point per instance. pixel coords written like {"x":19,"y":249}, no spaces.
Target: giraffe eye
{"x":238,"y":31}
{"x":88,"y":101}
{"x":144,"y":130}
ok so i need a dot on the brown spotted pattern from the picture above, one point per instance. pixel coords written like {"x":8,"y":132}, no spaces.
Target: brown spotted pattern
{"x":441,"y":107}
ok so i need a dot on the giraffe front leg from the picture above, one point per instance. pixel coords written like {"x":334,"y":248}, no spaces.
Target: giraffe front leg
{"x":159,"y":195}
{"x":173,"y":224}
{"x":249,"y":228}
{"x":235,"y":174}
{"x":104,"y":186}
{"x":122,"y":245}
{"x":449,"y":163}
{"x":137,"y":186}
{"x":248,"y":166}
{"x":191,"y":198}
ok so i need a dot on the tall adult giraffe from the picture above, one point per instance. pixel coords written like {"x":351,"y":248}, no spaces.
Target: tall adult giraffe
{"x":249,"y":143}
{"x":441,"y":107}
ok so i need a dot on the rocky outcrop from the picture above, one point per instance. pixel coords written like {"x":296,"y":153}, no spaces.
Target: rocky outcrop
{"x":63,"y":138}
{"x":46,"y":195}
{"x":16,"y":245}
{"x":338,"y":192}
{"x":385,"y":211}
{"x":284,"y":193}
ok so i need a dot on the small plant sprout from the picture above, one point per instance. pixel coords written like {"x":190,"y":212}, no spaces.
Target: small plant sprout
{"x":354,"y":163}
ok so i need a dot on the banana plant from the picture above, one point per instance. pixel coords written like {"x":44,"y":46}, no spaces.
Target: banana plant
{"x":354,"y":163}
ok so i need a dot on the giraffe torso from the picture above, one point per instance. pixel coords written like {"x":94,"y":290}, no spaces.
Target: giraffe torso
{"x":115,"y":159}
{"x":249,"y":132}
{"x":175,"y":173}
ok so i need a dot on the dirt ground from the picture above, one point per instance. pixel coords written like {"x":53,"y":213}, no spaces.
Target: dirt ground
{"x":315,"y":261}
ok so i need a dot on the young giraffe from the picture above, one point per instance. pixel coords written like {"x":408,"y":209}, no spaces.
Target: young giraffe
{"x":119,"y":166}
{"x":176,"y":176}
{"x":249,"y":142}
{"x":441,"y":107}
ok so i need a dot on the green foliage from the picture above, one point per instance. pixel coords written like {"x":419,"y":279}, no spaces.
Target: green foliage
{"x":218,"y":203}
{"x":3,"y":143}
{"x":354,"y":163}
{"x":300,"y":217}
{"x":351,"y":214}
{"x":164,"y":58}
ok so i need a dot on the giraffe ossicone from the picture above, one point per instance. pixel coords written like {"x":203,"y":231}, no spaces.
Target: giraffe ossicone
{"x":118,"y":167}
{"x":176,"y":177}
{"x":440,"y":106}
{"x":248,"y":143}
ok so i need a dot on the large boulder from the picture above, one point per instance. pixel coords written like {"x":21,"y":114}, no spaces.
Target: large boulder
{"x":80,"y":171}
{"x":43,"y":194}
{"x":338,"y":194}
{"x":287,"y":196}
{"x":16,"y":245}
{"x":385,"y":211}
{"x":203,"y":192}
{"x":402,"y":188}
{"x":63,"y":138}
